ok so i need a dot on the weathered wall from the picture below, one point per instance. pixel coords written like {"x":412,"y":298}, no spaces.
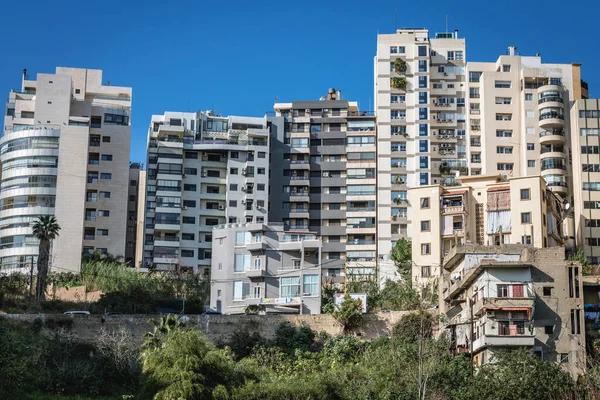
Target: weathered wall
{"x":87,"y":327}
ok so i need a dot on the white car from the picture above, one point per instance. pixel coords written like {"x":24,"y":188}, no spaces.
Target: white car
{"x":77,"y":313}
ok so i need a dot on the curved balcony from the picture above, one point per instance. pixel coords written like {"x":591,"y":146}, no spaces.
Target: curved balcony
{"x":552,"y":137}
{"x":553,"y":166}
{"x":551,"y":118}
{"x":557,"y":186}
{"x":552,"y":151}
{"x":550,"y":96}
{"x":29,"y":131}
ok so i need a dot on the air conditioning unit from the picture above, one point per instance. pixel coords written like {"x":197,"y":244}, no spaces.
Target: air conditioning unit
{"x":184,"y":207}
{"x":221,"y":207}
{"x":203,"y":174}
{"x":325,"y":110}
{"x":243,"y":202}
{"x":204,"y":154}
{"x":243,"y":171}
{"x":307,"y":110}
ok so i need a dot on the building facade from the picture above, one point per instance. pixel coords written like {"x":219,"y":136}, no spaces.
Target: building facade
{"x":483,"y":210}
{"x":65,"y":152}
{"x":327,"y":151}
{"x":514,"y":296}
{"x":585,"y":134}
{"x":135,"y":173}
{"x":519,"y":119}
{"x":420,"y":105}
{"x":203,"y":170}
{"x":256,"y":264}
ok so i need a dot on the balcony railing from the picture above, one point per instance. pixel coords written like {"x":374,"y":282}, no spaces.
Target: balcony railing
{"x":552,"y":133}
{"x":552,"y":150}
{"x":551,"y":115}
{"x":555,"y":99}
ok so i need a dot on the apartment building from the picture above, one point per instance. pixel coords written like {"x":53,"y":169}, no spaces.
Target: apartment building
{"x":483,"y":210}
{"x":327,"y":152}
{"x":420,"y":104}
{"x":203,"y":170}
{"x":65,"y":152}
{"x":519,"y":121}
{"x":256,"y":264}
{"x":140,"y":227}
{"x":514,"y":296}
{"x":585,"y":117}
{"x":135,"y":173}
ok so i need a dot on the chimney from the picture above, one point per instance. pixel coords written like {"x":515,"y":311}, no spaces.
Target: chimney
{"x":338,"y":94}
{"x":511,"y":50}
{"x":456,"y":34}
{"x":23,"y":80}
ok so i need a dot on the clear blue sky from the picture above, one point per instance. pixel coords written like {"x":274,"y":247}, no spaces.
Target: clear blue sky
{"x":238,"y":56}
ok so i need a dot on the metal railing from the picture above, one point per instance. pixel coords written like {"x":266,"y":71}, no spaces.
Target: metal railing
{"x":555,"y":99}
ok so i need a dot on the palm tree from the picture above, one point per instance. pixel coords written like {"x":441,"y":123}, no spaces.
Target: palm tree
{"x":45,"y":228}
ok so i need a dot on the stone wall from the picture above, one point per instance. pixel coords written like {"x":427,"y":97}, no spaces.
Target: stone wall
{"x":87,"y":327}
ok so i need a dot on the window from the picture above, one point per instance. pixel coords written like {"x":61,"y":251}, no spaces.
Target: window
{"x":311,"y":285}
{"x":525,"y":194}
{"x":526,"y":218}
{"x":503,"y":117}
{"x":503,"y":100}
{"x":425,"y":248}
{"x":289,"y":286}
{"x":531,"y":163}
{"x":575,"y":322}
{"x":105,"y":195}
{"x":504,"y":150}
{"x":547,"y":290}
{"x":474,"y":76}
{"x":393,"y":49}
{"x":423,"y":146}
{"x":190,"y":171}
{"x":502,"y":290}
{"x":241,"y":290}
{"x":530,"y":146}
{"x":423,"y":178}
{"x":422,"y":113}
{"x":474,"y":93}
{"x":502,"y":84}
{"x":505,"y":166}
{"x":187,"y":236}
{"x":518,"y":291}
{"x":188,"y":220}
{"x":422,"y":98}
{"x":425,"y":226}
{"x":422,"y":51}
{"x":102,"y":232}
{"x":422,"y":65}
{"x":241,"y":262}
{"x":233,"y":187}
{"x":422,"y":82}
{"x":506,"y":68}
{"x":528,"y":96}
{"x":106,"y":157}
{"x":423,"y":162}
{"x":260,"y":171}
{"x":549,"y":329}
{"x":425,"y":271}
{"x":262,"y":154}
{"x":233,"y":171}
{"x":455,"y":55}
{"x":526,"y":239}
{"x":188,"y":187}
{"x":424,"y":202}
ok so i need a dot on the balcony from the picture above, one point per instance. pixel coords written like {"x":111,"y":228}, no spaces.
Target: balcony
{"x":552,"y":136}
{"x":256,"y":245}
{"x":166,"y":241}
{"x":256,"y":273}
{"x":454,"y":209}
{"x":525,"y":340}
{"x":551,"y":119}
{"x":498,"y":303}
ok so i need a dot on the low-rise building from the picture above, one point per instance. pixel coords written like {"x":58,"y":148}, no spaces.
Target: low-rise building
{"x":263,"y":264}
{"x":514,"y":296}
{"x":484,"y":210}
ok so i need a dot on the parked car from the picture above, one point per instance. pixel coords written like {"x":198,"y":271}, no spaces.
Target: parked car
{"x":77,"y":313}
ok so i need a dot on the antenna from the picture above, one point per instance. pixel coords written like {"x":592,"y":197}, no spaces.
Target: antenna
{"x":446,"y":22}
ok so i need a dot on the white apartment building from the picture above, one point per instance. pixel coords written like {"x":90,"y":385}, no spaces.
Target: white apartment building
{"x":203,"y":170}
{"x":519,"y":121}
{"x":585,"y":139}
{"x":420,"y":105}
{"x":65,"y":152}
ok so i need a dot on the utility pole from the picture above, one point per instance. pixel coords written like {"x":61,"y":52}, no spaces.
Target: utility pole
{"x":345,"y":278}
{"x":31,"y":277}
{"x":471,"y":335}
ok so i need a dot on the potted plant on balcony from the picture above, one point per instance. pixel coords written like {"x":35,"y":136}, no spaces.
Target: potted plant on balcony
{"x":400,"y":66}
{"x":398,"y":82}
{"x":398,"y":180}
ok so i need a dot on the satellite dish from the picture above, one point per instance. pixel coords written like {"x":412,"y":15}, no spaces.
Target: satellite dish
{"x":567,"y":206}
{"x":457,"y":173}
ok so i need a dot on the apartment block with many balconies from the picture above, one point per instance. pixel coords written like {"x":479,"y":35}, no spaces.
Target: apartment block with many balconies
{"x":65,"y":152}
{"x":514,"y":296}
{"x":203,"y":170}
{"x":327,"y":150}
{"x":484,"y":210}
{"x":420,"y":105}
{"x":519,"y":122}
{"x":256,"y":264}
{"x":585,"y":139}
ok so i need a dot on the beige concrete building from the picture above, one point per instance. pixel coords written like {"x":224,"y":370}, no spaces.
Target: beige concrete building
{"x":140,"y":222}
{"x":484,"y":210}
{"x":519,"y":122}
{"x":65,"y":152}
{"x":420,"y":106}
{"x":135,"y":172}
{"x":513,"y":296}
{"x":585,"y":117}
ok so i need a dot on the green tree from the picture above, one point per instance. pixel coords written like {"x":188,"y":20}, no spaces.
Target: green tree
{"x":99,"y":256}
{"x":45,"y":228}
{"x":586,"y":266}
{"x":187,"y":366}
{"x":349,"y":314}
{"x":402,"y":257}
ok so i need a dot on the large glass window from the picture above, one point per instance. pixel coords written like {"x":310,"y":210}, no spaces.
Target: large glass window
{"x":241,"y":263}
{"x":289,"y":286}
{"x":241,"y":290}
{"x":311,"y":285}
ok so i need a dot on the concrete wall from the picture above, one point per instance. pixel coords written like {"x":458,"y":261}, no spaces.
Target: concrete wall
{"x":87,"y":327}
